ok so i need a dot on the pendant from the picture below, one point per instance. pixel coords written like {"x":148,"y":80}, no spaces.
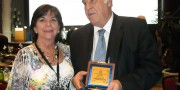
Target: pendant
{"x":57,"y":87}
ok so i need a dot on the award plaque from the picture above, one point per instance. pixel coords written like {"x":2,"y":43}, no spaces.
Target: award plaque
{"x":99,"y":75}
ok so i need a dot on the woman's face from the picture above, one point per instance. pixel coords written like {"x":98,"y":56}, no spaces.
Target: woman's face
{"x":47,"y":27}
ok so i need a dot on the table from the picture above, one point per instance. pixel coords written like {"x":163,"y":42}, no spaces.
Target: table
{"x":5,"y":65}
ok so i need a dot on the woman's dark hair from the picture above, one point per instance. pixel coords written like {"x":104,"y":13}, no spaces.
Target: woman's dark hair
{"x":41,"y":11}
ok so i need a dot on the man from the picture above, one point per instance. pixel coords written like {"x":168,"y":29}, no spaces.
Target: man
{"x":129,"y":44}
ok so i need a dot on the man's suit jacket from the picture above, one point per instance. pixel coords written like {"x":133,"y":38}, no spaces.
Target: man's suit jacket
{"x":131,"y":47}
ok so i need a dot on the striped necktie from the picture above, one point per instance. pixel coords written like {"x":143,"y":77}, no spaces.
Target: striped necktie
{"x":100,"y":53}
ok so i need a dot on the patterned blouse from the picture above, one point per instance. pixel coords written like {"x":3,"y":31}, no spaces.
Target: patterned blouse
{"x":29,"y":73}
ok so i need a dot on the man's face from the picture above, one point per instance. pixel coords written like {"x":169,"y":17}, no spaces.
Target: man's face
{"x":98,"y":11}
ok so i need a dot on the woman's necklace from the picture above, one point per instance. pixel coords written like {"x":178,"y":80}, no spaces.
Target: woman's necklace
{"x":50,"y":54}
{"x":54,"y":59}
{"x":47,"y":62}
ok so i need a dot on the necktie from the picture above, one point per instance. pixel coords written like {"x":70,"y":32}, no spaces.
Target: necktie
{"x":100,"y":53}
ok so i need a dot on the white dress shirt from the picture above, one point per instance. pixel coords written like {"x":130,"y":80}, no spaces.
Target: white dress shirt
{"x":107,"y":27}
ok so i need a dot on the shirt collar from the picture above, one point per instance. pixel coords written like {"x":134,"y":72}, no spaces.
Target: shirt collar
{"x":108,"y":25}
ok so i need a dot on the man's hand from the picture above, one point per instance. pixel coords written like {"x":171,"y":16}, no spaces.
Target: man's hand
{"x":77,"y":80}
{"x":115,"y":85}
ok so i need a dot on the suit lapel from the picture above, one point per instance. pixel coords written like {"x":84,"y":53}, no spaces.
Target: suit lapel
{"x":90,"y":35}
{"x":115,"y":40}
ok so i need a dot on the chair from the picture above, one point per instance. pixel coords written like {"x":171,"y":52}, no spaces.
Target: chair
{"x":3,"y":85}
{"x":3,"y":41}
{"x":170,"y":83}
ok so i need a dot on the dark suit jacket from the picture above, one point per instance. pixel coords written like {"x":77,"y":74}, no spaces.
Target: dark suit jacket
{"x":131,"y":47}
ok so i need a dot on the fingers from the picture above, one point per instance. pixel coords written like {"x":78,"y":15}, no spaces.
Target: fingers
{"x":115,"y":85}
{"x":77,"y":80}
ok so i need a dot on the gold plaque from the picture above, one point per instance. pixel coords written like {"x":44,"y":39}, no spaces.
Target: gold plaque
{"x":99,"y":75}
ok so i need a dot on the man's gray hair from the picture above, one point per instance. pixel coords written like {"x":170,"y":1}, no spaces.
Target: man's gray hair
{"x":105,"y":1}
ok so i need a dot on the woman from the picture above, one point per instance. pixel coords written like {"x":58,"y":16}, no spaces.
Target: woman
{"x":36,"y":66}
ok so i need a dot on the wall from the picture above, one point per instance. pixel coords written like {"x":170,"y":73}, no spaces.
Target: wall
{"x":18,"y":5}
{"x":22,"y":6}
